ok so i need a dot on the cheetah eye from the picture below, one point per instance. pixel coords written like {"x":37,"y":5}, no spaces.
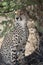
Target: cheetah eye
{"x":17,"y":18}
{"x":20,"y":18}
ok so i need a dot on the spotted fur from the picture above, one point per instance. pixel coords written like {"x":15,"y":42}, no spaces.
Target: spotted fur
{"x":13,"y":46}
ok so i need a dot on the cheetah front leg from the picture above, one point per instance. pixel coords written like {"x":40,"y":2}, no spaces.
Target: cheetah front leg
{"x":14,"y":55}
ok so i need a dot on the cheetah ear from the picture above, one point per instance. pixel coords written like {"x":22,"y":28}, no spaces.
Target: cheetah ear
{"x":19,"y":12}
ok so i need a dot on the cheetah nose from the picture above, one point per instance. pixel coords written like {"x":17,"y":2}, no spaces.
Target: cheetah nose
{"x":17,"y":18}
